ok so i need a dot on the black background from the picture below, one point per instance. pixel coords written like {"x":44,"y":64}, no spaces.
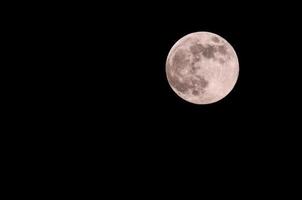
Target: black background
{"x":100,"y":69}
{"x":95,"y":89}
{"x":114,"y":64}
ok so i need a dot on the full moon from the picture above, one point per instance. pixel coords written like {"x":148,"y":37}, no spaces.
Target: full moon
{"x":202,"y":68}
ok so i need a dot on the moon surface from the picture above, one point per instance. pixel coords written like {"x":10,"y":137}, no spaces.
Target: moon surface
{"x":202,"y":68}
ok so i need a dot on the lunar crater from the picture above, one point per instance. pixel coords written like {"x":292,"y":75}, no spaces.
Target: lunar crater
{"x":215,"y":39}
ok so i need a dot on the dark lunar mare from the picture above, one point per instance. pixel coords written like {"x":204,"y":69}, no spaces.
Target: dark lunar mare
{"x":209,"y":51}
{"x":180,"y":60}
{"x":222,"y":49}
{"x":197,"y":49}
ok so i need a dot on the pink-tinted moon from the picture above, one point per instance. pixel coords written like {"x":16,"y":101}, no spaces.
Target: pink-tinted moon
{"x":202,"y":68}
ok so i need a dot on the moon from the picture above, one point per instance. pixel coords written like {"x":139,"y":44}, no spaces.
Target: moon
{"x":202,"y":68}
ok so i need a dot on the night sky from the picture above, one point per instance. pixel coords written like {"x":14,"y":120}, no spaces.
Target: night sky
{"x":100,"y":69}
{"x":109,"y":68}
{"x":91,"y":96}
